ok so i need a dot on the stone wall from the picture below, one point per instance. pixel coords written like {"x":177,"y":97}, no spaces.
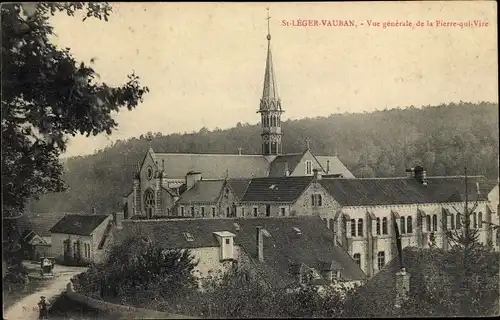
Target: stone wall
{"x":125,"y":312}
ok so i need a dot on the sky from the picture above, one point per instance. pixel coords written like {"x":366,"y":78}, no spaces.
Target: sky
{"x":204,"y":62}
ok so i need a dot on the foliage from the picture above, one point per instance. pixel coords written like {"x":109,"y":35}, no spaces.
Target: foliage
{"x":393,"y":139}
{"x":46,"y":97}
{"x":139,"y":273}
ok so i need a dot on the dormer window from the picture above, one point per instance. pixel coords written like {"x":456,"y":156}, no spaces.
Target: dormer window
{"x":273,"y":186}
{"x":236,"y":226}
{"x":309,"y":167}
{"x":188,"y":236}
{"x":297,"y":230}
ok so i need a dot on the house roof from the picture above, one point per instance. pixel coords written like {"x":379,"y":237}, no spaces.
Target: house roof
{"x":203,"y":191}
{"x":78,"y":224}
{"x":285,"y":247}
{"x":213,"y":166}
{"x":40,"y":223}
{"x":392,"y":191}
{"x":277,"y":167}
{"x":377,"y":297}
{"x":239,"y":186}
{"x":282,"y":189}
{"x":336,"y":166}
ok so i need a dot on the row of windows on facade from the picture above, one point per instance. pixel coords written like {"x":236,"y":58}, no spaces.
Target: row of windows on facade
{"x":76,"y":248}
{"x":231,"y":213}
{"x":380,"y":259}
{"x":271,"y":121}
{"x":406,"y":224}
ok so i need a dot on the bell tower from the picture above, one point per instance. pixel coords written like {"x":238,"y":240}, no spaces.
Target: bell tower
{"x":270,"y":106}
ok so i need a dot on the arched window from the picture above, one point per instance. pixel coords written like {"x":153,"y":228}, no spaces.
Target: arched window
{"x":384,"y":225}
{"x":452,"y":221}
{"x":149,"y":202}
{"x":360,"y":227}
{"x":434,"y":222}
{"x":353,"y":227}
{"x":480,"y":220}
{"x":331,"y":224}
{"x":402,"y":225}
{"x":409,"y":225}
{"x":378,"y":226}
{"x":357,"y":259}
{"x":428,"y":222}
{"x":474,"y":217}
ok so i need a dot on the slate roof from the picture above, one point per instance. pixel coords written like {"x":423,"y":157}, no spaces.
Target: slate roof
{"x":213,"y":166}
{"x":40,"y":223}
{"x":239,"y":186}
{"x":313,"y":247}
{"x":282,"y":189}
{"x":392,"y":191}
{"x":277,"y":167}
{"x":203,"y":191}
{"x":78,"y":224}
{"x":336,"y":166}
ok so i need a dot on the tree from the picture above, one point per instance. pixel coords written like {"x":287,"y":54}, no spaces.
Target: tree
{"x":46,"y":97}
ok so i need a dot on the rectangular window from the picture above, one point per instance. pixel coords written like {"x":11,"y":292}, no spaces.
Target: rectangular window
{"x":308,"y":167}
{"x":255,"y":212}
{"x":182,"y":211}
{"x":316,"y":200}
{"x":283,"y":212}
{"x":357,"y":259}
{"x":243,"y":212}
{"x":227,"y":241}
{"x":213,"y":212}
{"x":192,"y":211}
{"x":353,"y":227}
{"x":228,"y":213}
{"x":268,"y":210}
{"x":203,"y":212}
{"x":381,"y":259}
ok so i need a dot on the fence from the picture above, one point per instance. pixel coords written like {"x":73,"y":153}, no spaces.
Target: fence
{"x":125,"y":312}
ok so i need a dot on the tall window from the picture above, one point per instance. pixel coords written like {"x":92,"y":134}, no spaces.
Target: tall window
{"x":434,"y":222}
{"x":283,"y":212}
{"x":243,"y":211}
{"x":384,"y":225}
{"x":192,"y":211}
{"x":452,"y":221}
{"x":353,"y":227}
{"x":228,"y":213}
{"x":378,"y":226}
{"x":428,"y":223}
{"x":331,"y":224}
{"x":213,"y":212}
{"x":316,"y":200}
{"x":308,"y":167}
{"x":480,"y":220}
{"x":381,"y":259}
{"x":255,"y":212}
{"x":182,"y":211}
{"x":357,"y":259}
{"x":458,"y":223}
{"x":409,"y":225}
{"x":360,"y":227}
{"x":268,"y":210}
{"x":203,"y":212}
{"x":402,"y":224}
{"x":149,"y":202}
{"x":474,"y":217}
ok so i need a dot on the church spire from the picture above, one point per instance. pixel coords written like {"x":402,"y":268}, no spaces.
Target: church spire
{"x":270,"y":105}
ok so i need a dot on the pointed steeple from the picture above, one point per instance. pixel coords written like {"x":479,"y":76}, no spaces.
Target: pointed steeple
{"x":270,"y":106}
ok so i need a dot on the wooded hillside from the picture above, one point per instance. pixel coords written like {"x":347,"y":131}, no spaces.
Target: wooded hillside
{"x":381,"y":143}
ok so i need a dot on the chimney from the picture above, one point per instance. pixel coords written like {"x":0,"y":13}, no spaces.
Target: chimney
{"x":317,"y":174}
{"x":260,"y":244}
{"x":402,"y":287}
{"x":287,"y":171}
{"x":191,"y":178}
{"x":410,"y":173}
{"x":420,"y":175}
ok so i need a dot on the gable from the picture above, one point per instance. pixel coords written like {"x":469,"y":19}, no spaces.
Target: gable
{"x":300,"y":168}
{"x":281,"y":162}
{"x":333,"y":166}
{"x":203,"y":191}
{"x":148,"y":164}
{"x":76,"y":224}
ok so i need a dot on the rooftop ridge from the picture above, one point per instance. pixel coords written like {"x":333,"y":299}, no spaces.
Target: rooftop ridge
{"x":218,"y":219}
{"x":208,"y":154}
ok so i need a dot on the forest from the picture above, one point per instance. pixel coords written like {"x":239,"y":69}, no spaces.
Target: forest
{"x":442,"y":138}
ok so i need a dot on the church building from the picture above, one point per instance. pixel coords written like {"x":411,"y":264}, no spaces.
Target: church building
{"x":162,"y":177}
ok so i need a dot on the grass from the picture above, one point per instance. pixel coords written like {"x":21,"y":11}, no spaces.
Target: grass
{"x":65,"y":308}
{"x":10,"y":298}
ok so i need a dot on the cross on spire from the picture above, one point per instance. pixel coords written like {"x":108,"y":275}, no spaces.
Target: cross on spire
{"x":239,"y":150}
{"x":268,"y":26}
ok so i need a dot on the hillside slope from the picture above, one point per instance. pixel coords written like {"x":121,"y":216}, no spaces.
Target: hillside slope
{"x":381,"y":143}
